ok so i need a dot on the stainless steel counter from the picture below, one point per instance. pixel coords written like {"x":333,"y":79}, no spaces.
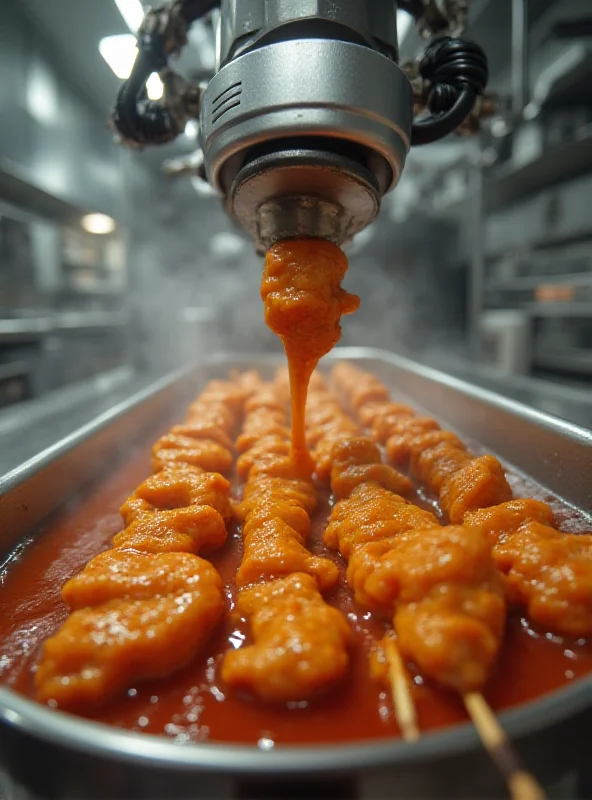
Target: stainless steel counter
{"x":30,"y":427}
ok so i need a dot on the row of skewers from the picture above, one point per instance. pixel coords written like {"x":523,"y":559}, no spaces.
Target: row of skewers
{"x":145,"y":607}
{"x":445,"y":588}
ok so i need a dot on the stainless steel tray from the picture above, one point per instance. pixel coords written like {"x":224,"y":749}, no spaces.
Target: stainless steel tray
{"x":554,"y":453}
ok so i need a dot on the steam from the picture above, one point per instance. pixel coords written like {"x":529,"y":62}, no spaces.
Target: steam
{"x":196,"y":284}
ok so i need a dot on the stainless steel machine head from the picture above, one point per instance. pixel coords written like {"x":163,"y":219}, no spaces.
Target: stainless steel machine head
{"x":308,"y":119}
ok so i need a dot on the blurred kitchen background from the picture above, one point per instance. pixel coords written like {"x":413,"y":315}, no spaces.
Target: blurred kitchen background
{"x":117,"y":266}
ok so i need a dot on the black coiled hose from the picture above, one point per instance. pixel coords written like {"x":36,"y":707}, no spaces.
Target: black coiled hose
{"x":137,"y":118}
{"x":458,"y":73}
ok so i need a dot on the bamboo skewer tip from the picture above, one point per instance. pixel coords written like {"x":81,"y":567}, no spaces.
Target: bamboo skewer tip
{"x":404,"y":706}
{"x":522,"y":785}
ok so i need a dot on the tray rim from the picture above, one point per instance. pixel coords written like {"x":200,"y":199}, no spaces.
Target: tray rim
{"x":98,"y":738}
{"x":569,"y":430}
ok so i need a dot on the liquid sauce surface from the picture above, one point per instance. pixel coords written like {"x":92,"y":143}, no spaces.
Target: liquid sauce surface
{"x":194,"y":705}
{"x":304,"y":302}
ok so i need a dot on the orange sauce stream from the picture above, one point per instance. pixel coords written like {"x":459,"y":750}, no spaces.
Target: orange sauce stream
{"x":304,"y":303}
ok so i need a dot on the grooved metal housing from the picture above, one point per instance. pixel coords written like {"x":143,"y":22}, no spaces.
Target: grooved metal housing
{"x":311,"y":87}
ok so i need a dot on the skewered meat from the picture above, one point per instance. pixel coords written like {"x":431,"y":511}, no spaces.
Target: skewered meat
{"x":447,"y":597}
{"x":464,"y":483}
{"x":100,"y":651}
{"x":178,"y":488}
{"x":358,"y":460}
{"x":369,"y":514}
{"x":548,"y":573}
{"x":173,"y":450}
{"x":300,"y":642}
{"x":278,"y":499}
{"x":440,"y":583}
{"x":273,"y":549}
{"x":144,"y":608}
{"x":193,"y":529}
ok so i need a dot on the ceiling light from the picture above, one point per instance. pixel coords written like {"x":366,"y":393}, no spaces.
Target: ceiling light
{"x":404,"y":21}
{"x":154,"y":87}
{"x":132,"y":13}
{"x":98,"y":223}
{"x":192,"y":129}
{"x":120,"y":53}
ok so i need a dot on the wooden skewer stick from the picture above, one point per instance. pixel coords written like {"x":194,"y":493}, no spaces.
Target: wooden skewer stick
{"x":401,"y":691}
{"x":522,"y":785}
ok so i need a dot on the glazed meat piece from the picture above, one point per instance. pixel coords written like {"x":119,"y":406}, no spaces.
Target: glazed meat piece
{"x":372,"y":513}
{"x":293,"y":515}
{"x":266,"y":397}
{"x":218,"y":415}
{"x":101,"y":651}
{"x":384,"y":428}
{"x":193,"y":529}
{"x":502,"y":520}
{"x":203,"y":430}
{"x":268,"y":489}
{"x":345,"y":482}
{"x":434,"y":465}
{"x":361,"y":388}
{"x":548,"y":573}
{"x":381,"y":409}
{"x":446,"y":595}
{"x":127,"y":575}
{"x":274,"y":549}
{"x":275,"y":465}
{"x":178,"y":488}
{"x":401,"y":446}
{"x":479,"y":484}
{"x":327,"y":425}
{"x":300,"y":642}
{"x":260,"y":425}
{"x":355,"y":451}
{"x":322,"y":452}
{"x":269,"y":445}
{"x":172,"y":451}
{"x":232,"y":394}
{"x":358,"y":460}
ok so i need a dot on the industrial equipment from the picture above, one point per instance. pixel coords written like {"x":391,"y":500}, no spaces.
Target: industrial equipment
{"x":308,"y":119}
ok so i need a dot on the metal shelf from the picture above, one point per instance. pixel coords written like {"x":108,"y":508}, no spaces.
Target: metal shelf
{"x":507,"y":184}
{"x":32,"y":328}
{"x":565,"y":362}
{"x":559,"y":309}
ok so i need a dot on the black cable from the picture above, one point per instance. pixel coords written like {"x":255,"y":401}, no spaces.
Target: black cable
{"x":195,"y":9}
{"x":135,"y":117}
{"x":413,"y":7}
{"x":458,"y":73}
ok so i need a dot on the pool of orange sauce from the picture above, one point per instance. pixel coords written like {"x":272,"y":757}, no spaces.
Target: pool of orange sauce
{"x":304,"y":303}
{"x":194,"y":705}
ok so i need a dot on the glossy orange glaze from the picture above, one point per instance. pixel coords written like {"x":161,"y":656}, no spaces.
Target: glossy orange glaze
{"x":194,"y":704}
{"x":304,"y":302}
